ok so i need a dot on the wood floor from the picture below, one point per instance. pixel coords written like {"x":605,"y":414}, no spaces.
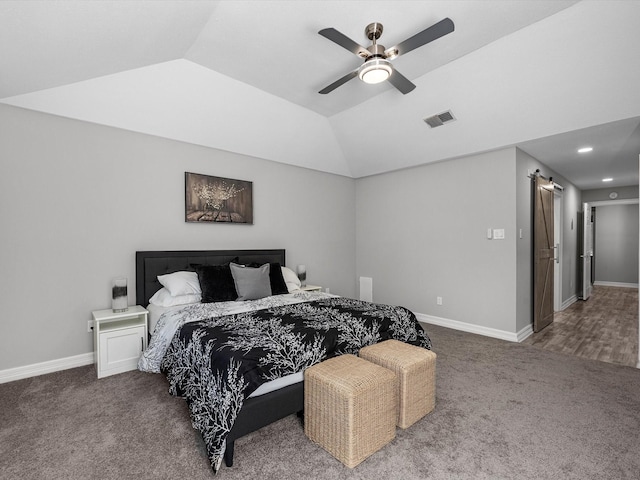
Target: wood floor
{"x":604,"y":328}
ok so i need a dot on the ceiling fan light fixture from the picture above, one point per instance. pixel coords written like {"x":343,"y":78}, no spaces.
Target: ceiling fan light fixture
{"x":375,"y":70}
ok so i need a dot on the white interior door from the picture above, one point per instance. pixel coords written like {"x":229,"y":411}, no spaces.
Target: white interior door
{"x":557,"y":243}
{"x":587,"y":250}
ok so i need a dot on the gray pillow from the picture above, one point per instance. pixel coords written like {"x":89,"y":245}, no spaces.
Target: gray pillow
{"x":251,"y":283}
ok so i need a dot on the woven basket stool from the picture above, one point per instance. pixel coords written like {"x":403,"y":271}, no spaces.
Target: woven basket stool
{"x":416,"y":371}
{"x":350,"y":407}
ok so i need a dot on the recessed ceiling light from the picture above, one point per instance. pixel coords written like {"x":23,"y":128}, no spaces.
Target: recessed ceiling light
{"x":585,"y":149}
{"x":607,"y":179}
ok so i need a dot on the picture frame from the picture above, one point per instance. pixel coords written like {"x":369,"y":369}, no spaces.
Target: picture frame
{"x":210,"y":199}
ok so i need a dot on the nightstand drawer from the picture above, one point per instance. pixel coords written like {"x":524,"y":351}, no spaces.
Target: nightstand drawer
{"x":120,"y":350}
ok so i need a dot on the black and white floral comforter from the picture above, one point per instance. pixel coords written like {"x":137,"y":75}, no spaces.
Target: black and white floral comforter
{"x":216,"y":363}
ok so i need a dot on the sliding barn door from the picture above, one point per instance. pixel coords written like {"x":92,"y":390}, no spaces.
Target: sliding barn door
{"x":543,"y":254}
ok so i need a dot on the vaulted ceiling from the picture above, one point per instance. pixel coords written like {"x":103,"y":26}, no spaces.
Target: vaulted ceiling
{"x":244,"y":76}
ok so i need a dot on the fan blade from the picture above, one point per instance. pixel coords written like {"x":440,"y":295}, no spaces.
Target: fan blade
{"x":440,"y":29}
{"x":339,"y":82}
{"x":344,"y":41}
{"x":401,"y":82}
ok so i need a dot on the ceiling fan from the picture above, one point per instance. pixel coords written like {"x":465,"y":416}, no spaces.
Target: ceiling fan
{"x":377,"y":66}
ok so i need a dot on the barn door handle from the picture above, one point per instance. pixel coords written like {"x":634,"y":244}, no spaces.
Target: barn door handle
{"x":556,"y":247}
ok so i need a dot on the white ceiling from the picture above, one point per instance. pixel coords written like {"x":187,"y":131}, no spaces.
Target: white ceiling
{"x":243,"y":76}
{"x":616,"y":154}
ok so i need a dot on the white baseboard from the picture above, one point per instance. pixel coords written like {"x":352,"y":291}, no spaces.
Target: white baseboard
{"x":616,"y":284}
{"x":524,"y":333}
{"x":478,"y":329}
{"x":18,"y":373}
{"x":568,"y":302}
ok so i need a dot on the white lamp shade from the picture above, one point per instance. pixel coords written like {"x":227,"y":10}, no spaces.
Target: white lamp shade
{"x":119,"y":295}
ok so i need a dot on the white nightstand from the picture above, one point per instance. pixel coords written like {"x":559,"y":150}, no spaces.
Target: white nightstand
{"x":311,"y":288}
{"x":119,"y":339}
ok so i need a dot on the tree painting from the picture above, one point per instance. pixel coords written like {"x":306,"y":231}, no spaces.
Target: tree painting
{"x":217,"y":199}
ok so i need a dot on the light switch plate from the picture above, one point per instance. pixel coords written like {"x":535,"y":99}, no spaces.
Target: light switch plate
{"x":498,"y":234}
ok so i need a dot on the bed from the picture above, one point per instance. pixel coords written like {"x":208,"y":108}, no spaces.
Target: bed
{"x":195,"y":331}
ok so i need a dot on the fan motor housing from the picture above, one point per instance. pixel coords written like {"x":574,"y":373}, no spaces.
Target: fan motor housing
{"x":376,"y":50}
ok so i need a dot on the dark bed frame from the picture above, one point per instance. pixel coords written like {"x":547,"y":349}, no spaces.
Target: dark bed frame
{"x":256,"y":412}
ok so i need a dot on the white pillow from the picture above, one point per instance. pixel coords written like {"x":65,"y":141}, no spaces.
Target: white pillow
{"x":292,"y":287}
{"x":163,"y":298}
{"x":181,"y":283}
{"x":290,"y":277}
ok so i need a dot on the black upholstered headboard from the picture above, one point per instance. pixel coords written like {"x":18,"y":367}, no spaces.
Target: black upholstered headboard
{"x":151,"y":264}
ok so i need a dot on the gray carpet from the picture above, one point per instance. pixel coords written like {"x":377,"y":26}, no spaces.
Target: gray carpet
{"x":504,"y":411}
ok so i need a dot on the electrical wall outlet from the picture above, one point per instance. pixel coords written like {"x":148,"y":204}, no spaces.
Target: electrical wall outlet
{"x":439,"y":300}
{"x":90,"y":325}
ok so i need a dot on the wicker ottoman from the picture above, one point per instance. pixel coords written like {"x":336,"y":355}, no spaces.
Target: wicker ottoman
{"x":416,"y":371}
{"x":350,"y":407}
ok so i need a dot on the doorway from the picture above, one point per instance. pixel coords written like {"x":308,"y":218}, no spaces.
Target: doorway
{"x":616,"y":250}
{"x":586,"y":251}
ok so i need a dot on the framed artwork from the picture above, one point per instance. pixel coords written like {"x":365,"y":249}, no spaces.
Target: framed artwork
{"x":217,"y":200}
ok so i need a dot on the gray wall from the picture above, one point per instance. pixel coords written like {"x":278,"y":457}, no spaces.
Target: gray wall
{"x":77,"y":200}
{"x":422,"y":233}
{"x":616,"y":244}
